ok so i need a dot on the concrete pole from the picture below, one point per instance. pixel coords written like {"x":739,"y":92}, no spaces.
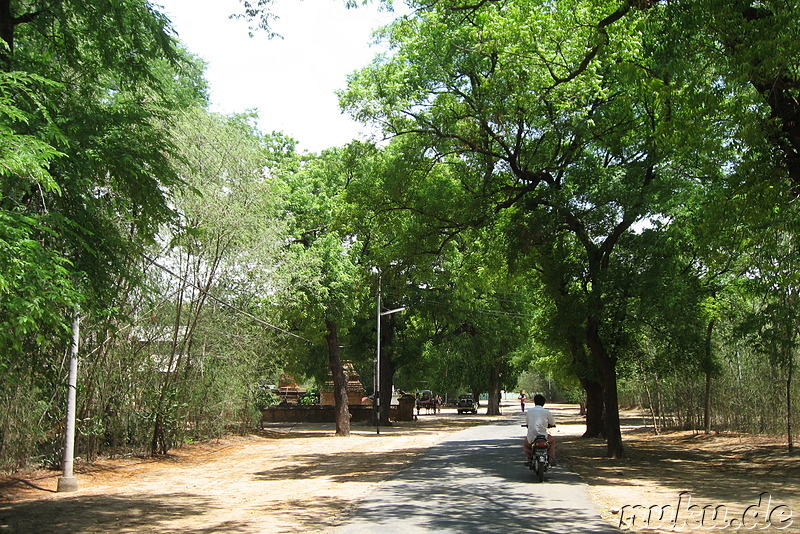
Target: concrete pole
{"x":67,"y":482}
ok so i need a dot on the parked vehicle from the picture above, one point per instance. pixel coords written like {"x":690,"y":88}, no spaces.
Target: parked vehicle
{"x":467,"y":404}
{"x":426,"y":399}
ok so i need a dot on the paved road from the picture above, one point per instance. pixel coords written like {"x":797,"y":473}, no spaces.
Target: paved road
{"x":475,"y":481}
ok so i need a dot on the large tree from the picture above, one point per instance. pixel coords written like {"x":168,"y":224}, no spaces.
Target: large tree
{"x":506,"y":97}
{"x":89,"y":90}
{"x":746,"y":42}
{"x":116,"y":85}
{"x":224,"y":252}
{"x":323,"y":256}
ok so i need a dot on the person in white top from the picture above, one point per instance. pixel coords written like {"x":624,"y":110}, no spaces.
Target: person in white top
{"x":539,"y":420}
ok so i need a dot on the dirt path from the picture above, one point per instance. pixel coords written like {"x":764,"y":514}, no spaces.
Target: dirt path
{"x":303,"y":479}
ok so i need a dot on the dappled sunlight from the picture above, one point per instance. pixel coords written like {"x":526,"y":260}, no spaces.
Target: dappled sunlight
{"x":714,"y":469}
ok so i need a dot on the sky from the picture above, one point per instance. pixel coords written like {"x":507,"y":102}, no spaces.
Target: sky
{"x":290,"y":82}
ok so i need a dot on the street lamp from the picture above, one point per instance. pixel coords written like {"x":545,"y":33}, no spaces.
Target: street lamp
{"x":377,"y":381}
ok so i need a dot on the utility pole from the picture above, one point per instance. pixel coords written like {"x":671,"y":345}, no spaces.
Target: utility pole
{"x":378,"y":366}
{"x":67,"y":482}
{"x":377,"y":383}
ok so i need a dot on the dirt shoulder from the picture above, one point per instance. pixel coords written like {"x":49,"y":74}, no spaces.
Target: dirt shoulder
{"x":301,"y":478}
{"x":288,"y":478}
{"x":690,"y":481}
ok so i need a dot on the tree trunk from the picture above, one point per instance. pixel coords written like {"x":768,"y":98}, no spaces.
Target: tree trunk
{"x":8,"y":24}
{"x":595,"y":419}
{"x":387,"y":381}
{"x":592,"y":409}
{"x":161,"y":440}
{"x":608,"y":372}
{"x":342,"y":409}
{"x":650,"y":403}
{"x":789,"y":376}
{"x":493,"y":407}
{"x":6,"y":33}
{"x":707,"y":405}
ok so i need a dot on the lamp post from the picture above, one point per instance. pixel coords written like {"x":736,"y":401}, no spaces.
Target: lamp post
{"x":377,"y":380}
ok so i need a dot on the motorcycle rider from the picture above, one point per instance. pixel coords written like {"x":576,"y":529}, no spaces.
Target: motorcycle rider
{"x":539,"y":420}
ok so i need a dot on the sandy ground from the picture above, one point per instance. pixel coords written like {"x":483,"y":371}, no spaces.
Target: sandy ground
{"x":289,"y":478}
{"x":689,"y":481}
{"x":301,"y":478}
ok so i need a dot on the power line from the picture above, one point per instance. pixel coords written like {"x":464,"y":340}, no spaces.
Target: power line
{"x":487,"y":311}
{"x":222,"y":302}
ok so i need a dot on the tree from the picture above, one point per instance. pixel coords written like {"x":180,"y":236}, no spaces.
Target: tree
{"x":112,"y":125}
{"x":192,"y":336}
{"x":441,"y":278}
{"x":743,"y":42}
{"x":225,"y":248}
{"x":472,"y":323}
{"x":324,"y":261}
{"x":775,"y":284}
{"x":533,"y":126}
{"x":36,"y":281}
{"x":89,"y":176}
{"x":559,"y":325}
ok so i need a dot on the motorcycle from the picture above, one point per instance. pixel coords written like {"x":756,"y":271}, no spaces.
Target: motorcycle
{"x":539,"y":462}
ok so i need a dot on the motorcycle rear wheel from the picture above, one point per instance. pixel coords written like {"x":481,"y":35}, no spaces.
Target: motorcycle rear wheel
{"x":540,"y":470}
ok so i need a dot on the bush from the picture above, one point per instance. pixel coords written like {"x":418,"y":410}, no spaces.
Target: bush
{"x":263,"y":398}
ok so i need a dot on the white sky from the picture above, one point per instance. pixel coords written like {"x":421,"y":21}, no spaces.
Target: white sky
{"x":289,"y":81}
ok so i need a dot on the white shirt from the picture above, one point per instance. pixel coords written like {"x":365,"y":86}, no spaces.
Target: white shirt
{"x":539,"y":418}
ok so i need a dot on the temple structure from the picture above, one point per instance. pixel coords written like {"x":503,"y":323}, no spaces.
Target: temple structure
{"x":355,"y":389}
{"x":288,"y":390}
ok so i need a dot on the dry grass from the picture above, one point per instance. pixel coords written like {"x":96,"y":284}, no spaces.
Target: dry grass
{"x":729,"y":470}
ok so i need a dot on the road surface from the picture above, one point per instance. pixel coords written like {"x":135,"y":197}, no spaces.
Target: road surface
{"x":475,"y":481}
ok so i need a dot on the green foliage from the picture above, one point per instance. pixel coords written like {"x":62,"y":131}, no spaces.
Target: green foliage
{"x":85,"y":152}
{"x":324,"y":259}
{"x":35,"y":289}
{"x":588,"y":156}
{"x":92,"y":128}
{"x":36,"y":285}
{"x":25,"y":156}
{"x":310,"y":398}
{"x":568,"y":186}
{"x":264,"y":398}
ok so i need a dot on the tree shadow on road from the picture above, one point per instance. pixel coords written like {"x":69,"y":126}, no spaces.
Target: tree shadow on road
{"x":476,"y":485}
{"x":99,"y":513}
{"x":342,"y":467}
{"x":425,"y":424}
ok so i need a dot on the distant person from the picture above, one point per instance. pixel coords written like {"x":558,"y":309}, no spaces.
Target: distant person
{"x":522,"y":399}
{"x":540,"y":419}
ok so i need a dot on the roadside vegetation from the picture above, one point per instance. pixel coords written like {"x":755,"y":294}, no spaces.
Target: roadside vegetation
{"x":601,"y":194}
